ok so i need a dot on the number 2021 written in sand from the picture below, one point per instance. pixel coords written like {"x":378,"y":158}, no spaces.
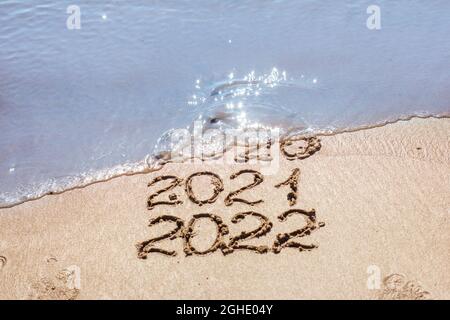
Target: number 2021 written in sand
{"x":224,"y":241}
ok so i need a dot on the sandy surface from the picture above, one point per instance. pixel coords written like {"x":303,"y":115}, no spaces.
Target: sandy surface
{"x":383,"y":195}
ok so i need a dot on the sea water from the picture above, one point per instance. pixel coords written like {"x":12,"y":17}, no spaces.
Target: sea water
{"x":89,"y":89}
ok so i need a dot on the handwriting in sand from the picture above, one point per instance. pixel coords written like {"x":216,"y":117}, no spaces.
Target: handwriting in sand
{"x":186,"y":230}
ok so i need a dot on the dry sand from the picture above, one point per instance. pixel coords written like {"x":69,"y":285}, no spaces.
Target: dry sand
{"x":382,"y":193}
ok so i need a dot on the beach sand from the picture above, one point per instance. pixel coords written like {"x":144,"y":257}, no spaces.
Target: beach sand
{"x":381,"y":228}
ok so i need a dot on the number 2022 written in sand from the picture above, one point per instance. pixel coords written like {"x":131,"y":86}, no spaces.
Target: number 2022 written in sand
{"x":185,"y":231}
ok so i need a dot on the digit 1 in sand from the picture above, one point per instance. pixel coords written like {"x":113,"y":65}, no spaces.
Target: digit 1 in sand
{"x":292,"y":181}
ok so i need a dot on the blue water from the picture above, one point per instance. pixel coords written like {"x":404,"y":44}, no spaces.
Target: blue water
{"x":84,"y":104}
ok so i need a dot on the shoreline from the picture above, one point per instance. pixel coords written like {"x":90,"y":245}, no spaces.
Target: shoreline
{"x":158,"y":166}
{"x":379,"y":228}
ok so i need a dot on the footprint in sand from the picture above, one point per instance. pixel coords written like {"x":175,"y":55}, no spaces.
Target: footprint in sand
{"x":396,"y":287}
{"x":3,"y":261}
{"x":51,"y":259}
{"x":63,"y":286}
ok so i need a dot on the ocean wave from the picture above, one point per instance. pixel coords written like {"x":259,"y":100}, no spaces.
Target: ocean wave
{"x":87,"y":105}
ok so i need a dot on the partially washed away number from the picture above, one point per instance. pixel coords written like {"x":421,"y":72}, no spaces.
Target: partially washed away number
{"x":310,"y":146}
